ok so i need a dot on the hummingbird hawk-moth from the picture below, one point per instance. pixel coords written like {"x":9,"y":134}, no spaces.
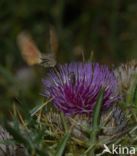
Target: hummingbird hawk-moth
{"x":31,"y":53}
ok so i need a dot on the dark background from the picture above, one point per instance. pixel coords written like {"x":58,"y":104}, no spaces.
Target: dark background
{"x":106,"y":27}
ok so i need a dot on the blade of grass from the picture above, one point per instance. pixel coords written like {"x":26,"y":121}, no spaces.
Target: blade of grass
{"x":91,"y":56}
{"x":64,"y":122}
{"x":39,"y":107}
{"x":62,"y":144}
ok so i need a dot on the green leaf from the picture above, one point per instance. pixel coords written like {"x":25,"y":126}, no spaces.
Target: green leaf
{"x":135,"y":95}
{"x":95,"y":123}
{"x":62,"y":144}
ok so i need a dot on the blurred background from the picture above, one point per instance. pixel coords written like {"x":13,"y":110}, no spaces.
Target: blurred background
{"x":106,"y":28}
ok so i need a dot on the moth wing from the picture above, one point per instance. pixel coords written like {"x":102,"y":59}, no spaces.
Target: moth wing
{"x":28,"y":48}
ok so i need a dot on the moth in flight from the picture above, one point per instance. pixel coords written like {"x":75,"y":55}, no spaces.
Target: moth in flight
{"x":31,"y":53}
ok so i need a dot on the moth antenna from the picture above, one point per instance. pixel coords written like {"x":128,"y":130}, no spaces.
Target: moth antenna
{"x":53,"y":40}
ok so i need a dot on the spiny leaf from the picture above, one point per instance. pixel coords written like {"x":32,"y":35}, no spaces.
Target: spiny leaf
{"x":18,"y":136}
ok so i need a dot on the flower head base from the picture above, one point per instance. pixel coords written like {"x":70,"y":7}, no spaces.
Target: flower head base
{"x":74,"y":87}
{"x":126,"y":75}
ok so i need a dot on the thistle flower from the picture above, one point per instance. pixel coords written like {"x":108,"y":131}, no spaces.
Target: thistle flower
{"x":74,"y":87}
{"x":126,"y":75}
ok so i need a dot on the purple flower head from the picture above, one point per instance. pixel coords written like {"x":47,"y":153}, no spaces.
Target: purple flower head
{"x":74,"y":87}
